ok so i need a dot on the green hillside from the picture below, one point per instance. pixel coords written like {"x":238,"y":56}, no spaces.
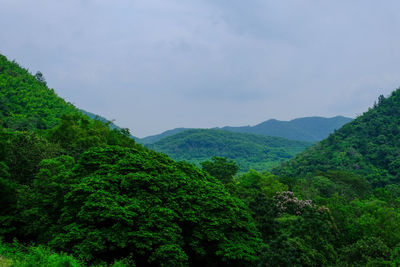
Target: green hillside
{"x":155,"y":138}
{"x":70,"y":184}
{"x":25,"y":100}
{"x":369,"y":145}
{"x":311,"y":129}
{"x":248,"y":150}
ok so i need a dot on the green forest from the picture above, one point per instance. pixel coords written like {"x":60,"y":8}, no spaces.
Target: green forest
{"x":75,"y":191}
{"x":250,"y":151}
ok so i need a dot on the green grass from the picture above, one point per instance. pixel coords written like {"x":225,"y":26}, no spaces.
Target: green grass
{"x":16,"y":255}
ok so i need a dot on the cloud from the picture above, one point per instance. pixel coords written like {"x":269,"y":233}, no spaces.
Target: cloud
{"x":153,"y":65}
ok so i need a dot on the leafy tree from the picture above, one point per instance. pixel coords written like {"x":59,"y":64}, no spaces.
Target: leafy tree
{"x":258,"y":190}
{"x":220,"y":168}
{"x":121,"y":202}
{"x":40,"y":78}
{"x":8,"y":199}
{"x":22,"y":152}
{"x":41,"y":204}
{"x":367,"y":252}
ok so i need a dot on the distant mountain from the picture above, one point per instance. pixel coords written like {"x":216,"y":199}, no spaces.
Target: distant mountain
{"x":102,"y":119}
{"x":311,"y":129}
{"x":248,"y":150}
{"x":155,"y":138}
{"x":369,"y":145}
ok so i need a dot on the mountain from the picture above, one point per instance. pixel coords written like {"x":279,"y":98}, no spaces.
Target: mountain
{"x":311,"y":129}
{"x":155,"y":138}
{"x":248,"y":150}
{"x":369,"y":145}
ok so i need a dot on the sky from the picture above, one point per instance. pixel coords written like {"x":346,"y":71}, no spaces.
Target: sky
{"x":153,"y":65}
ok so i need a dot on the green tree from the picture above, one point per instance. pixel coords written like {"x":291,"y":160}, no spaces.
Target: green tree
{"x":8,"y":200}
{"x":134,"y":202}
{"x":220,"y":168}
{"x":40,"y":78}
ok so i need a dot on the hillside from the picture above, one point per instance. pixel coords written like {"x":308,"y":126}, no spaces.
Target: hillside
{"x":155,"y":138}
{"x":248,"y":150}
{"x":311,"y":129}
{"x":369,"y":145}
{"x":70,"y":184}
{"x":25,"y":100}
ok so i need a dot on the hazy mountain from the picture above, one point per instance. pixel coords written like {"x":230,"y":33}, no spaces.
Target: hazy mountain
{"x":310,"y":129}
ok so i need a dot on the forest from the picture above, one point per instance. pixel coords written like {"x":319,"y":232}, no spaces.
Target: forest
{"x":76,"y":192}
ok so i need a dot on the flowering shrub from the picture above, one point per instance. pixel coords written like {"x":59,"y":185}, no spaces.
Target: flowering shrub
{"x":286,"y":202}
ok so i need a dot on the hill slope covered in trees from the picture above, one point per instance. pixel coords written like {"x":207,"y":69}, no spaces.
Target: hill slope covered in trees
{"x":369,"y":145}
{"x":25,"y":100}
{"x":155,"y":138}
{"x":71,"y":183}
{"x":248,"y":150}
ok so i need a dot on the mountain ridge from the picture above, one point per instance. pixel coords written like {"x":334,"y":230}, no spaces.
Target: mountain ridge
{"x":299,"y":129}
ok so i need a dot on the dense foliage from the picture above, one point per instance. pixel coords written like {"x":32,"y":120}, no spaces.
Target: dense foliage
{"x":249,"y":151}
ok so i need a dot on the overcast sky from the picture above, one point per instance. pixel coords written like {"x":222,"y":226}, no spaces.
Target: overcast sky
{"x":154,"y":65}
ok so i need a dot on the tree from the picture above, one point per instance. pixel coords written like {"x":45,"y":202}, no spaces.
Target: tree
{"x":134,"y":202}
{"x":40,"y":78}
{"x":220,"y":168}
